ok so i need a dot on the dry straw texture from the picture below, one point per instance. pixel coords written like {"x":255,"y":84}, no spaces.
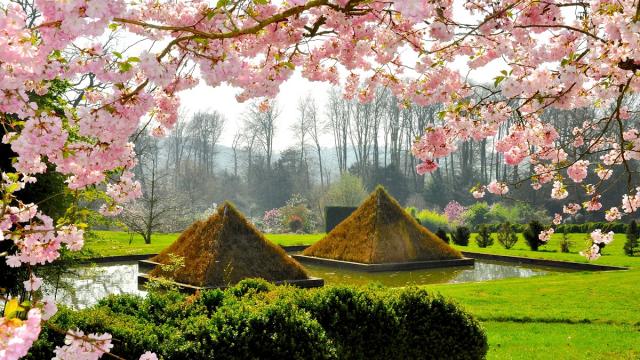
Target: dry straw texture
{"x":225,"y":249}
{"x":380,"y":231}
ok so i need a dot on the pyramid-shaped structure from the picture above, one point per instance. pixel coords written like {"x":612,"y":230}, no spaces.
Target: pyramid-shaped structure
{"x":225,"y":249}
{"x":381,"y":231}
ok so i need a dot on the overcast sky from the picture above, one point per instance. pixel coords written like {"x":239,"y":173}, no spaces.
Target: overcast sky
{"x":222,"y":99}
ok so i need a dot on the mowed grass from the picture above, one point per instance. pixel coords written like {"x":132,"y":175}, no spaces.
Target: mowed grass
{"x":613,"y":253}
{"x":580,"y":315}
{"x":585,"y":315}
{"x":116,"y":243}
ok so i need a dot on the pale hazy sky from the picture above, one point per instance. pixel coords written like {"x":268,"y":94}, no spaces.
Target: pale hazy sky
{"x":222,"y":99}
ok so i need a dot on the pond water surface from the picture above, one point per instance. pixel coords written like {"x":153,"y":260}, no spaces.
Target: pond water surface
{"x":85,"y":285}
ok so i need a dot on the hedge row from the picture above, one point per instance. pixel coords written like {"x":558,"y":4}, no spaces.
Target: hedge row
{"x":255,"y":320}
{"x":588,"y":227}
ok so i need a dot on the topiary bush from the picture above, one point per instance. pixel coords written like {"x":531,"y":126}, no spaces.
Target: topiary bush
{"x":507,"y":236}
{"x":531,"y":233}
{"x":256,"y":320}
{"x":565,"y":243}
{"x":484,"y":239}
{"x":632,"y":246}
{"x":442,"y":234}
{"x":461,"y":235}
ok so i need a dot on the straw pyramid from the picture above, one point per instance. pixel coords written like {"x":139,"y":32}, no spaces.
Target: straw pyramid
{"x":225,"y":249}
{"x":380,"y":231}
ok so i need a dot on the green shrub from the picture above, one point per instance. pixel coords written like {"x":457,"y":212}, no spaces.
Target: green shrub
{"x":434,"y":328}
{"x":432,"y":220}
{"x":631,"y":246}
{"x":476,"y":214}
{"x":354,"y":318}
{"x":442,"y":234}
{"x":565,"y":243}
{"x":461,"y":236}
{"x":531,"y":233}
{"x":256,"y":320}
{"x":484,"y":239}
{"x":493,"y":215}
{"x":506,"y":236}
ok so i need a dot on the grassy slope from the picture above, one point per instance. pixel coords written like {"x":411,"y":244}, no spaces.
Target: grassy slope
{"x":582,"y":315}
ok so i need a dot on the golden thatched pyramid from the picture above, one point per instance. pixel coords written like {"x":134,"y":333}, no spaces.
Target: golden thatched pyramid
{"x":225,"y":249}
{"x":380,"y":231}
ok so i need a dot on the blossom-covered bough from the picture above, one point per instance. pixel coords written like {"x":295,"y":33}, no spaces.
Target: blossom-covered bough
{"x":126,"y":61}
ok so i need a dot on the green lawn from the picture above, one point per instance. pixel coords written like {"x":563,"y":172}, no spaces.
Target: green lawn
{"x":612,"y":253}
{"x":581,"y":315}
{"x":113,"y":243}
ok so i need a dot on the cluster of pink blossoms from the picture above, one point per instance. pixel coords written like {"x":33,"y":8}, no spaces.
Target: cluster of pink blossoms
{"x":17,"y":336}
{"x":545,"y":235}
{"x":497,"y":188}
{"x":599,"y":240}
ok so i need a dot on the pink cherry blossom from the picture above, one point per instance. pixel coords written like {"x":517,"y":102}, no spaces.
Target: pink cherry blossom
{"x":79,"y":346}
{"x":599,"y":238}
{"x":478,"y":192}
{"x":545,"y":235}
{"x":33,"y":283}
{"x":593,"y":253}
{"x":571,"y":208}
{"x":613,"y":214}
{"x":594,"y":204}
{"x":148,"y":356}
{"x":559,"y":191}
{"x":557,"y":219}
{"x":498,"y":188}
{"x":16,"y":336}
{"x":578,"y":171}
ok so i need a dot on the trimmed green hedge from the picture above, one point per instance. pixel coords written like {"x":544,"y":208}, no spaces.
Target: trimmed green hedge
{"x":256,"y":320}
{"x":587,"y":227}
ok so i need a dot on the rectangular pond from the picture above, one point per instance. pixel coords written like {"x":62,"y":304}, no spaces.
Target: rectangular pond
{"x":83,"y":286}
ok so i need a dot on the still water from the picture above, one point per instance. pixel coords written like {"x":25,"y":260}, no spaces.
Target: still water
{"x":84,"y":286}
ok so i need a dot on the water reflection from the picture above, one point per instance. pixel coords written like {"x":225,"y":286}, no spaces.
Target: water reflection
{"x":84,"y":286}
{"x":88,"y":284}
{"x":482,"y":271}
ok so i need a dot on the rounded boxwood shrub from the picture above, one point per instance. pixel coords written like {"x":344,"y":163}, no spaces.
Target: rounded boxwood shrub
{"x":360,"y":323}
{"x":432,"y":327}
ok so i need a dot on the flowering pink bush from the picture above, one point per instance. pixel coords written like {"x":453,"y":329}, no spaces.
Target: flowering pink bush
{"x":453,"y":211}
{"x":272,"y":220}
